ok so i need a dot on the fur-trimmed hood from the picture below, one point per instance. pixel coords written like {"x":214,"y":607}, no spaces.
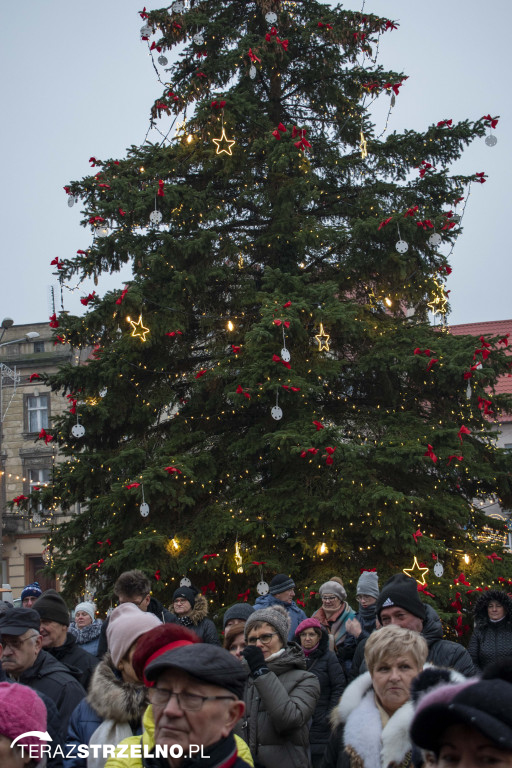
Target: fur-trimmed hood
{"x":482,"y":604}
{"x":363,"y":732}
{"x":112,"y":698}
{"x":200,"y":610}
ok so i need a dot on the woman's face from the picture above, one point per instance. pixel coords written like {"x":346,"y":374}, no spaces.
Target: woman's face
{"x":82,"y":619}
{"x":366,"y":600}
{"x":392,"y":681}
{"x":464,"y":747}
{"x":181,"y":607}
{"x":237,"y":645}
{"x":309,"y":638}
{"x":266,"y":638}
{"x":331,"y":603}
{"x":495,"y":610}
{"x":125,"y":666}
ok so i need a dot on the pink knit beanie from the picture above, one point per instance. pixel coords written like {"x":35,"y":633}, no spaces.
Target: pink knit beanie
{"x":21,"y":710}
{"x":308,"y":624}
{"x":125,"y":625}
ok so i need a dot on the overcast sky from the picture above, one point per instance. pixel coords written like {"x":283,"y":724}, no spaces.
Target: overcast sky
{"x":78,"y":82}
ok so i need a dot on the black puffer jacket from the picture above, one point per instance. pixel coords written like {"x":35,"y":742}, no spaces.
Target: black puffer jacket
{"x":325,"y":665}
{"x":81,"y":664}
{"x":491,"y":641}
{"x":199,"y":622}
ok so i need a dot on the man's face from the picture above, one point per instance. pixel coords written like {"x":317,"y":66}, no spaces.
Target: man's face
{"x":19,"y":652}
{"x":214,"y":721}
{"x":141,"y":601}
{"x":53,"y":633}
{"x":287,"y":596}
{"x":400,"y":617}
{"x":28,"y":602}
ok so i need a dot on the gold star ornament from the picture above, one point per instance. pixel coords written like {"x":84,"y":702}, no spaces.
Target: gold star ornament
{"x":437,"y":304}
{"x":416,"y":568}
{"x":323,"y":339}
{"x":138,"y":328}
{"x":224,"y":144}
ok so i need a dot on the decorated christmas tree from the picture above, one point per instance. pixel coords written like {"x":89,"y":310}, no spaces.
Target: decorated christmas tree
{"x":267,"y":393}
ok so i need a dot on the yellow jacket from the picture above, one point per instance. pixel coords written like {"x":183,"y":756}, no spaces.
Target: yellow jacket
{"x":148,"y":738}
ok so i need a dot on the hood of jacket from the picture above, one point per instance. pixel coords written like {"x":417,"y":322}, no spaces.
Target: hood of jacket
{"x":198,"y":612}
{"x":112,"y":698}
{"x":363,"y":731}
{"x":292,"y":658}
{"x":482,"y":604}
{"x":266,"y":600}
{"x":432,"y":627}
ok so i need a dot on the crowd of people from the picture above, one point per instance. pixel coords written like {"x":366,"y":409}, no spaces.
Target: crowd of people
{"x":150,"y":687}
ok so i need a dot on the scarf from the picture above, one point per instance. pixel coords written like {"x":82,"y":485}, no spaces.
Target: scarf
{"x":308,"y":651}
{"x":87,"y":633}
{"x":336,"y":626}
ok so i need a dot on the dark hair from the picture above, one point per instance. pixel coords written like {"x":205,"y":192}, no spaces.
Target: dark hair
{"x":157,"y":638}
{"x":132,"y":584}
{"x":231,"y":632}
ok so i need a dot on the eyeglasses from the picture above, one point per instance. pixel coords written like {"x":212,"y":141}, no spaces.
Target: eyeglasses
{"x":15,"y":644}
{"x":265,"y":639}
{"x":138,"y":603}
{"x":180,"y":601}
{"x":329,"y":598}
{"x":364,"y":598}
{"x":160,"y":697}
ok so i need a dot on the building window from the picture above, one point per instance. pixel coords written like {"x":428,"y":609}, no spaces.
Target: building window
{"x":38,"y":346}
{"x":37,"y":478}
{"x":34,"y":565}
{"x":37,"y":412}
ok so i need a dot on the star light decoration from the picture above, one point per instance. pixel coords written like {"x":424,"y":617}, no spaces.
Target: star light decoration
{"x":437,"y":304}
{"x":416,"y":567}
{"x":323,"y":339}
{"x":223,"y":140}
{"x":138,"y":328}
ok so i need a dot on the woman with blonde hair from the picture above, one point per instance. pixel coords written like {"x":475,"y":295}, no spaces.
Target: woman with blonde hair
{"x":371,"y":722}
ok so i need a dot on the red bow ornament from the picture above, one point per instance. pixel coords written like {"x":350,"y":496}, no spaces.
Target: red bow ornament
{"x":208,"y":557}
{"x":244,"y":595}
{"x":55,"y":263}
{"x":463,"y":431}
{"x":160,"y":192}
{"x":329,"y":451}
{"x":34,"y":376}
{"x":430,"y":453}
{"x":86,"y":299}
{"x":253,"y":57}
{"x":19,"y":498}
{"x":54,"y":323}
{"x":493,"y":557}
{"x":240,"y":391}
{"x":441,"y":123}
{"x":454,"y":456}
{"x":277,"y":359}
{"x":157,"y":575}
{"x":173,"y":470}
{"x":43,"y":435}
{"x":492,"y":120}
{"x":480,"y":177}
{"x":132,"y":485}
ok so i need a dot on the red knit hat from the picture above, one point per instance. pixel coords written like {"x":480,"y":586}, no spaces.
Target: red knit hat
{"x":158,"y":641}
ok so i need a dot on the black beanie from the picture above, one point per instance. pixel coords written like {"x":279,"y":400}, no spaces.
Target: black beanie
{"x":240,"y":611}
{"x":52,"y":607}
{"x":186,"y":593}
{"x":281,"y":583}
{"x":401,"y":590}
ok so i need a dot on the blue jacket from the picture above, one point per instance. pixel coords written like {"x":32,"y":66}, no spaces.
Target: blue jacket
{"x":295,"y":613}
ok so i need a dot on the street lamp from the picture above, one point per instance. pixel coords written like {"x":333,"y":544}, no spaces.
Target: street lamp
{"x":27,"y":337}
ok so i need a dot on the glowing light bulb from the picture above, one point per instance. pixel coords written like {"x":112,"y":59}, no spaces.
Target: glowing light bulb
{"x":230,"y":326}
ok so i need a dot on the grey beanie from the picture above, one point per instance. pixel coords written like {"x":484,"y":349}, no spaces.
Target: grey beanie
{"x":368,"y":584}
{"x":281,"y":583}
{"x":333,"y":588}
{"x":240,"y":611}
{"x":276,"y":616}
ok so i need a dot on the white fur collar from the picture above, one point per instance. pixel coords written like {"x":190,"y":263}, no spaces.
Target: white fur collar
{"x":377,"y":746}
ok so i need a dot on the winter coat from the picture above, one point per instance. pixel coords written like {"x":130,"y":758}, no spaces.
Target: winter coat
{"x":278,"y":709}
{"x":154,"y":607}
{"x":111,"y":712}
{"x":325,"y":665}
{"x":199,"y":622}
{"x":441,"y":653}
{"x":359,"y":740}
{"x":75,"y":658}
{"x":87,"y":637}
{"x":49,"y":676}
{"x":341,"y":642}
{"x":491,"y":640}
{"x":295,"y":613}
{"x":218,"y":754}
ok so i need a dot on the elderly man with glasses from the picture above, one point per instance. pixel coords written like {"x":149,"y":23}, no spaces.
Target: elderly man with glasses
{"x":24,"y":661}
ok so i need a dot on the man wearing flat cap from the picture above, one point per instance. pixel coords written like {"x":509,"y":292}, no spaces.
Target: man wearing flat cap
{"x":195,"y":692}
{"x":24,"y":661}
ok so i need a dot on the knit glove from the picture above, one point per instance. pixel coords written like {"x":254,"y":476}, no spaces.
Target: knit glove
{"x":255,"y":659}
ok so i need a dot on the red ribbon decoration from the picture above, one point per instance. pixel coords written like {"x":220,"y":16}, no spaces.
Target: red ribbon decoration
{"x":160,"y":192}
{"x":173,"y":470}
{"x":54,"y":323}
{"x":55,"y":263}
{"x":329,"y":451}
{"x":492,"y":120}
{"x":385,"y":222}
{"x":157,"y":575}
{"x":207,"y":557}
{"x":417,"y":535}
{"x":369,"y":570}
{"x":481,"y":177}
{"x":236,"y":350}
{"x":390,"y":25}
{"x":431,"y":362}
{"x":67,"y":190}
{"x":93,"y":162}
{"x":318,"y":425}
{"x":201,"y":373}
{"x":253,"y":57}
{"x":123,"y":294}
{"x":34,"y":376}
{"x":154,"y":46}
{"x":174,"y":333}
{"x":240,"y":391}
{"x":86,"y":299}
{"x":430,"y":453}
{"x":73,"y":406}
{"x":322,"y":24}
{"x":411,"y":211}
{"x":95,"y":220}
{"x":423,"y":588}
{"x":493,"y":557}
{"x":486,"y":405}
{"x":441,"y":123}
{"x":454,"y":456}
{"x":504,"y":339}
{"x":419,"y":351}
{"x":210,"y":587}
{"x":132,"y":485}
{"x":288,"y":304}
{"x":278,"y":322}
{"x":461,"y":579}
{"x":255,"y":562}
{"x":19,"y":498}
{"x":290,"y":389}
{"x":218,"y":104}
{"x":244,"y":595}
{"x":143,"y":13}
{"x":277,"y":359}
{"x":427,"y":224}
{"x":469,"y":374}
{"x":463,"y":431}
{"x":309,"y":450}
